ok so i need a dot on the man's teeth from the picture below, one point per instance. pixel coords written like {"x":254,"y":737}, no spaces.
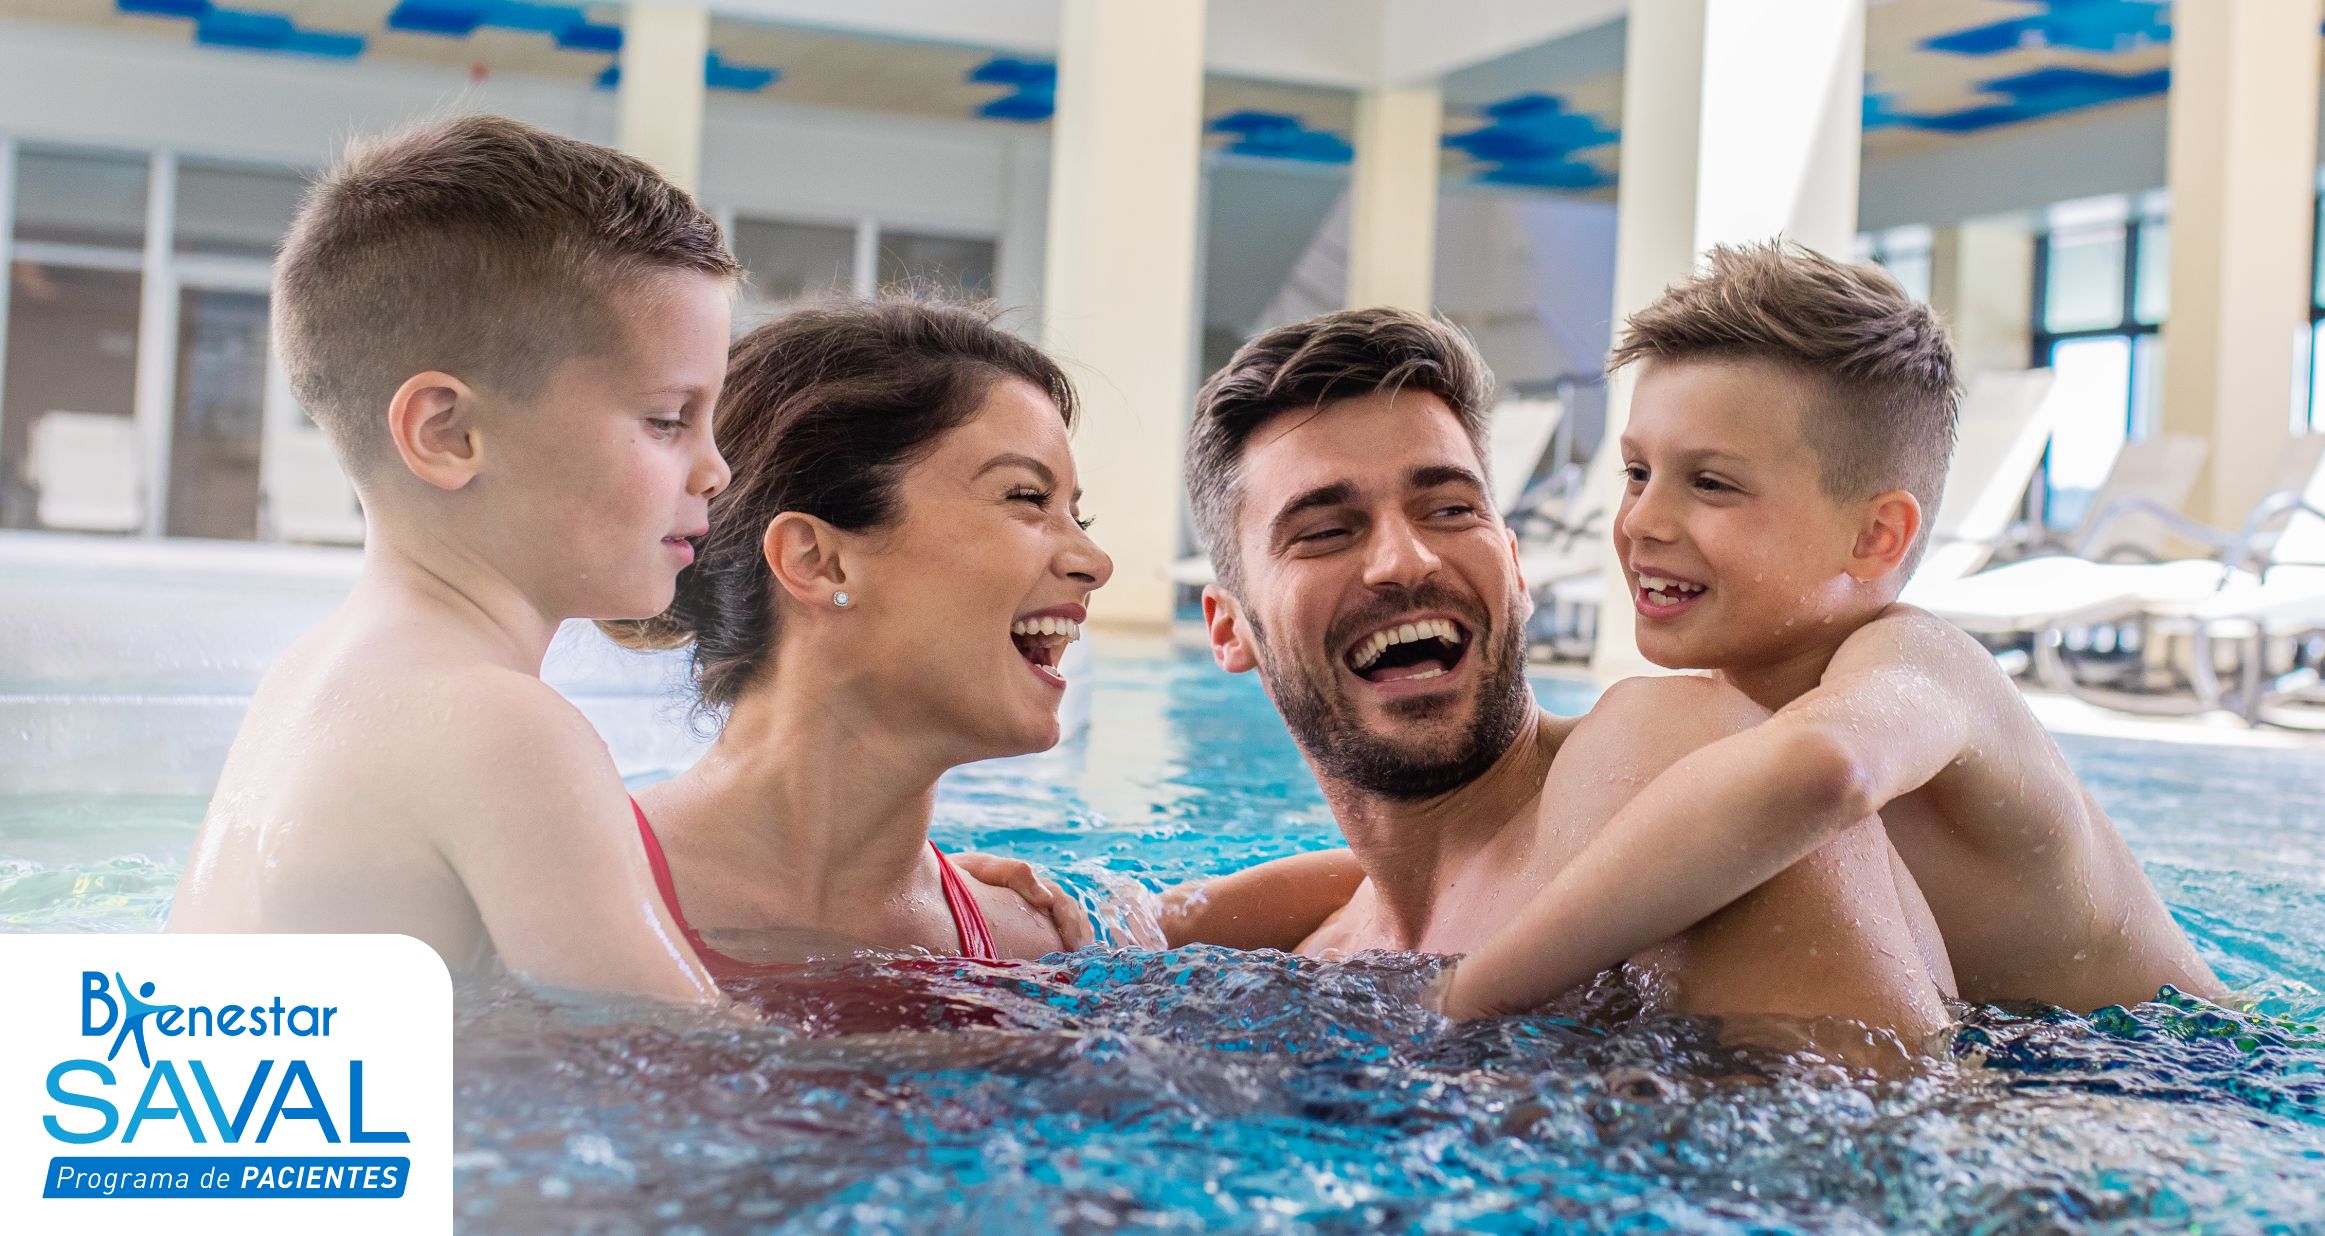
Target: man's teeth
{"x":1067,"y":627}
{"x":1663,"y":591}
{"x":1435,"y":628}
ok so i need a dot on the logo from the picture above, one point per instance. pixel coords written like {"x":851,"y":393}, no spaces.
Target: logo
{"x":231,"y":1078}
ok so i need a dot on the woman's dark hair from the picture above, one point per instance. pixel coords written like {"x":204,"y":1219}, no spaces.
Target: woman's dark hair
{"x":823,"y":412}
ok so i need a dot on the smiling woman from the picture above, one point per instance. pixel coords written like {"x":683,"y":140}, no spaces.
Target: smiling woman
{"x":885,"y":593}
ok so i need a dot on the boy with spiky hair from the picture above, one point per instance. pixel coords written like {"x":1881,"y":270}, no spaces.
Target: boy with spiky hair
{"x":1787,"y":443}
{"x":514,"y":341}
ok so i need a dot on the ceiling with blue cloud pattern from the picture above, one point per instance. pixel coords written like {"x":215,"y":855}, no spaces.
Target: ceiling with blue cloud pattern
{"x":1935,"y":68}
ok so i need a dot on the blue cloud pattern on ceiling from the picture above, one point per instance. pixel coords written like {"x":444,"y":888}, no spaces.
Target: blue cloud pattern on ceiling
{"x":250,"y":29}
{"x":1280,"y":135}
{"x":716,"y":74}
{"x":565,"y":24}
{"x":1033,"y":89}
{"x":2109,"y":27}
{"x":1531,"y":140}
{"x":2032,"y":96}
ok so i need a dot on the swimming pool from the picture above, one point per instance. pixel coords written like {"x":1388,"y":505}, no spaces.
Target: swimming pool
{"x":1199,"y":1090}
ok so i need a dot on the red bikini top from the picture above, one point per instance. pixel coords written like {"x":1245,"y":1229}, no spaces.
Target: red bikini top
{"x":968,"y":919}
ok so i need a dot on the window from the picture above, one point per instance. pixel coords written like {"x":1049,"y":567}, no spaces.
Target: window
{"x":72,"y":365}
{"x":78,"y":197}
{"x":234,"y":211}
{"x":958,"y":266}
{"x":2101,"y":275}
{"x":2317,"y":322}
{"x":1905,"y":253}
{"x":791,"y":261}
{"x":90,"y":439}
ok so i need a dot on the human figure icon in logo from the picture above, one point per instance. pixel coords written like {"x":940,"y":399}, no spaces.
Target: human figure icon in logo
{"x":133,"y":1014}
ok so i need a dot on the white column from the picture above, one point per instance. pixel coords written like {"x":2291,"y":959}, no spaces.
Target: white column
{"x":1017,"y":279}
{"x":1742,"y":121}
{"x":155,"y":395}
{"x":1392,"y":229}
{"x":664,"y":50}
{"x":1118,"y":281}
{"x":864,"y":271}
{"x":1981,"y":282}
{"x":2243,"y":159}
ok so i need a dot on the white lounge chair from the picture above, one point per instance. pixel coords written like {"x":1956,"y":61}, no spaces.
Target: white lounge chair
{"x":1522,"y":433}
{"x":2006,"y":419}
{"x":308,"y":498}
{"x":2267,"y":561}
{"x":89,"y":470}
{"x":1561,"y":554}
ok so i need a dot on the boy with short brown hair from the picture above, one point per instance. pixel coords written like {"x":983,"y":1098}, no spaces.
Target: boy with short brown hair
{"x":1787,"y":442}
{"x":514,"y":341}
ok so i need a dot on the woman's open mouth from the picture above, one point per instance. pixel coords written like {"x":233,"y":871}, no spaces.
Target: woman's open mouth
{"x":1410,"y":651}
{"x":1042,"y":641}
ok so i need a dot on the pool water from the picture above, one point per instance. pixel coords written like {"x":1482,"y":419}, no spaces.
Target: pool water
{"x":1202,"y":1090}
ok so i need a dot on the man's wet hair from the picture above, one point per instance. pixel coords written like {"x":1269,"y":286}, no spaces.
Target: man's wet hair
{"x":1344,"y":355}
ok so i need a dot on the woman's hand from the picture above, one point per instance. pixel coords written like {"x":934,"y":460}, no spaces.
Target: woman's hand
{"x":1019,"y":877}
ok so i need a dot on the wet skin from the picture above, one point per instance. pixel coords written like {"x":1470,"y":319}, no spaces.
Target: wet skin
{"x":403,"y":768}
{"x":1350,"y":514}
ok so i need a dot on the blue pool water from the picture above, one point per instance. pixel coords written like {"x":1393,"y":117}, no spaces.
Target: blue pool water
{"x":1200,"y":1090}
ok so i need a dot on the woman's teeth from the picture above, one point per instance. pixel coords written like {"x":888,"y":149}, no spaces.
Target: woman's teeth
{"x":1042,"y":641}
{"x":1067,"y":627}
{"x":1381,"y":641}
{"x":1663,"y":591}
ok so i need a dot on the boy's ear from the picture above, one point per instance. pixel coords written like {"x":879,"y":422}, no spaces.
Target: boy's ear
{"x":1891,"y":523}
{"x":432,"y":422}
{"x":804,"y":554}
{"x":1229,"y":630}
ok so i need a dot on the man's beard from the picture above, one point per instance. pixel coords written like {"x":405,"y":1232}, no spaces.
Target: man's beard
{"x":1322,"y":721}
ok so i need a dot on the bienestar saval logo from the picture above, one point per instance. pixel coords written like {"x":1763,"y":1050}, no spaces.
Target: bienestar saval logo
{"x":226,"y":1078}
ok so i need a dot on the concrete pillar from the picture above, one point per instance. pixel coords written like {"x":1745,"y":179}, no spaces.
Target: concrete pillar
{"x":665,"y":48}
{"x":1118,"y":281}
{"x":1742,"y":121}
{"x":155,"y":397}
{"x":2242,"y":146}
{"x":1392,"y":231}
{"x":1981,"y":282}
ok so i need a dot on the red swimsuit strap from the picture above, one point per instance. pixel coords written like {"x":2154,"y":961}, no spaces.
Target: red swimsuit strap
{"x":719,"y":964}
{"x":968,"y":918}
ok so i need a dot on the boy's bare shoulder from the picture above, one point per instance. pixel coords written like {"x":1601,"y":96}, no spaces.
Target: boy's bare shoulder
{"x":1916,"y":640}
{"x":421,"y":738}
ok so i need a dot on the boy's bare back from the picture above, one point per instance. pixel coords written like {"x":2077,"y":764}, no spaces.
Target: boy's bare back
{"x":2033,"y":886}
{"x":375,"y":787}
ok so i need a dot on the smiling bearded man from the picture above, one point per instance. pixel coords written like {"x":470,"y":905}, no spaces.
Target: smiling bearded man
{"x":1336,"y":471}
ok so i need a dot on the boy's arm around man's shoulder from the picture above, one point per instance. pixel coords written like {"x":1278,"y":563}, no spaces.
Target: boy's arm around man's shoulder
{"x":538,"y":826}
{"x":1275,"y":904}
{"x":1894,"y":707}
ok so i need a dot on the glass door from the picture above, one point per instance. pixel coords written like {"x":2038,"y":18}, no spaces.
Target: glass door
{"x":219,"y":406}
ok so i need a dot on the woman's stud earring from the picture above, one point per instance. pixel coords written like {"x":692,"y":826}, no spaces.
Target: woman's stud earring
{"x":840,"y":599}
